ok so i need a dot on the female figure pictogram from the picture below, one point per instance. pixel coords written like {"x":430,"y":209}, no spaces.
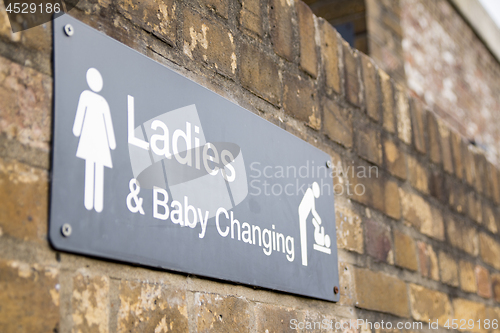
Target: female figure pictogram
{"x":94,"y":127}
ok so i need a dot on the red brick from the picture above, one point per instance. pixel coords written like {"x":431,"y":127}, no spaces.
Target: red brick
{"x":495,"y":285}
{"x":330,"y":56}
{"x":428,"y":261}
{"x":337,"y":123}
{"x":378,"y":241}
{"x":259,"y":73}
{"x":300,"y":99}
{"x":282,"y":37}
{"x":308,"y":56}
{"x":483,"y":282}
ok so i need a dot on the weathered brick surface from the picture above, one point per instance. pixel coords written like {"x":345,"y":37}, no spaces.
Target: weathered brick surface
{"x":464,"y":310}
{"x":352,"y":87}
{"x":495,"y":286}
{"x":405,"y":251}
{"x":90,"y":303}
{"x":474,"y":208}
{"x":418,"y":175}
{"x":221,"y":314}
{"x":480,"y":162}
{"x":273,"y":318}
{"x":462,"y":236}
{"x":23,"y":201}
{"x":492,"y":182}
{"x":403,"y":115}
{"x":282,"y":36}
{"x":378,"y":241}
{"x":25,"y":104}
{"x":395,"y":159}
{"x":29,"y":297}
{"x":448,"y":269}
{"x":456,"y":194}
{"x":456,"y":148}
{"x":392,"y":200}
{"x":337,"y":122}
{"x":251,"y":16}
{"x":488,"y":218}
{"x":437,"y":187}
{"x":428,"y":261}
{"x":330,"y":56}
{"x":308,"y":55}
{"x":444,"y":142}
{"x":349,"y":230}
{"x":419,"y":125}
{"x":368,"y":142}
{"x":151,"y":307}
{"x":467,"y":276}
{"x":221,"y":7}
{"x":260,"y":74}
{"x":483,"y":282}
{"x":370,"y":81}
{"x":427,"y":304}
{"x":387,"y":102}
{"x":434,"y":138}
{"x":158,"y":18}
{"x":300,"y":99}
{"x":490,"y":250}
{"x":418,"y":213}
{"x":209,"y":41}
{"x":469,"y":164}
{"x":393,"y":300}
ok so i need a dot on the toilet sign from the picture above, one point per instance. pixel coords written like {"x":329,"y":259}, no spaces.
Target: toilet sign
{"x":151,"y":168}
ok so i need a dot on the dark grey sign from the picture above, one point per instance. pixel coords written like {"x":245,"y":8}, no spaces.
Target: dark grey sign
{"x":154,"y":169}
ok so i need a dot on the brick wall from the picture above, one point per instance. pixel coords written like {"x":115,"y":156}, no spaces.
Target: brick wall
{"x":420,"y":244}
{"x":450,"y":68}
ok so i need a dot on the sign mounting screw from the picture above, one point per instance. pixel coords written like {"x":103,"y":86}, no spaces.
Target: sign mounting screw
{"x":335,"y":290}
{"x":329,"y":164}
{"x":68,"y":30}
{"x":66,"y":230}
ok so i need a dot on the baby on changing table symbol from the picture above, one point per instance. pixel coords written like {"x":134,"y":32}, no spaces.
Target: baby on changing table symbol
{"x":94,"y":127}
{"x":307,"y":206}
